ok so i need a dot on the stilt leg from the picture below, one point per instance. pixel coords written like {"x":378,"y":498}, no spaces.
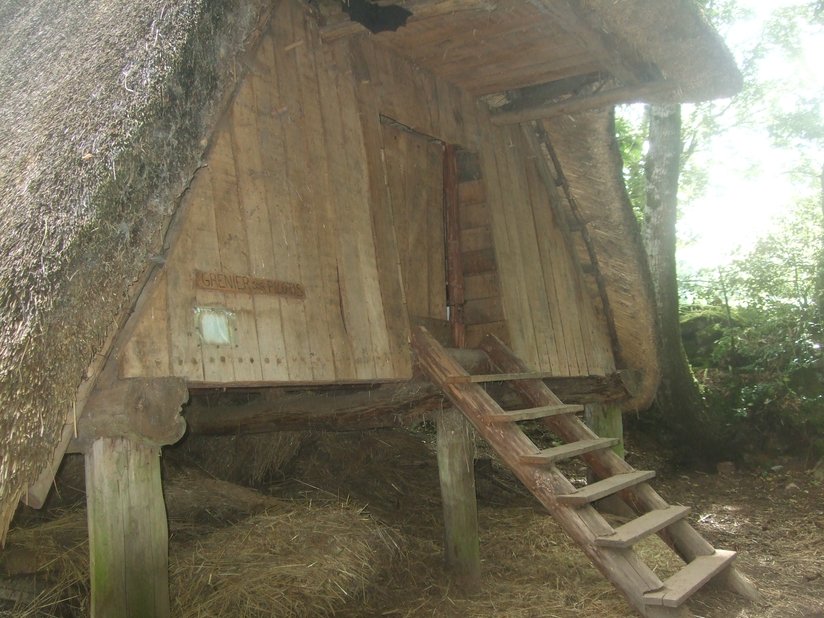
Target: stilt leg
{"x":456,"y":454}
{"x":128,"y":532}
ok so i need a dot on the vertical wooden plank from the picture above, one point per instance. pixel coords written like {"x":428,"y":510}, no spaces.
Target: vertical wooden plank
{"x":514,"y":286}
{"x":522,"y":220}
{"x":290,"y":42}
{"x":349,"y":284}
{"x":456,"y":468}
{"x":147,"y":352}
{"x":251,"y":117}
{"x":566,"y":290}
{"x":435,"y":227}
{"x":196,"y":248}
{"x":414,"y":167}
{"x":361,"y":233}
{"x":415,"y":219}
{"x":367,"y":91}
{"x":128,"y":531}
{"x":287,"y":243}
{"x":321,"y":149}
{"x":564,"y":319}
{"x":233,"y":245}
{"x":597,"y":349}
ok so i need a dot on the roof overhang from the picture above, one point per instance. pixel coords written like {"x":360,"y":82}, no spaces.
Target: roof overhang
{"x":533,"y":59}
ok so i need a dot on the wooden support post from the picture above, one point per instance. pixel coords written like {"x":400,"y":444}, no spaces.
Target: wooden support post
{"x":128,"y":532}
{"x":456,"y":459}
{"x":121,"y":433}
{"x":606,"y":420}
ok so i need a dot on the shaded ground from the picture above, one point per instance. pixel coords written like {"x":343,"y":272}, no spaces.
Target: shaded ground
{"x":381,"y":489}
{"x":774,"y":520}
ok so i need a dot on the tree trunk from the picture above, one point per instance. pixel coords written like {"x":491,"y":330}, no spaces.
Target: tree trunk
{"x":678,"y":400}
{"x":819,"y":278}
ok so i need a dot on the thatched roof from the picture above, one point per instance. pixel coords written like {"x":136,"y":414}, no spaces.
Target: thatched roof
{"x":105,"y":104}
{"x":676,"y":36}
{"x":588,"y":152}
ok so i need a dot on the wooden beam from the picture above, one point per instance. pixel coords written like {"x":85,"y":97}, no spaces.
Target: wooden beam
{"x":379,"y":407}
{"x":604,"y":98}
{"x":36,"y":494}
{"x":140,"y":408}
{"x":342,"y":26}
{"x":387,"y":405}
{"x":548,"y":92}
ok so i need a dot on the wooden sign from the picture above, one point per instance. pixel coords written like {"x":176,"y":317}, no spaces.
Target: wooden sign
{"x":244,"y":284}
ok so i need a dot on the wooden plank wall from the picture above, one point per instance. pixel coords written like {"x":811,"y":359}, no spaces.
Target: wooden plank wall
{"x":296,"y":190}
{"x":414,"y":177}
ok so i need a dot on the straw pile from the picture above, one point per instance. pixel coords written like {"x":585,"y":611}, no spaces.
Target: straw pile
{"x":251,"y":460}
{"x":289,"y":561}
{"x":233,"y":552}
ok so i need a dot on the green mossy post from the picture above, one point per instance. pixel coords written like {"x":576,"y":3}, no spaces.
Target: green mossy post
{"x":607,"y":421}
{"x":121,"y":432}
{"x":128,"y":531}
{"x":456,"y":466}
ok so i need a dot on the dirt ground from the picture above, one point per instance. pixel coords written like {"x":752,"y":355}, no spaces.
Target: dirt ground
{"x":773,"y":517}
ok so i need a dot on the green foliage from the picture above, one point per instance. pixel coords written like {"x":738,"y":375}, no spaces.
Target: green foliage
{"x":754,"y":331}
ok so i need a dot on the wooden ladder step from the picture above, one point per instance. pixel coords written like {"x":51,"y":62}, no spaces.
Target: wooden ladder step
{"x":566,"y":451}
{"x":532,"y":413}
{"x":637,"y":529}
{"x":497,"y":377}
{"x":607,"y":487}
{"x":678,"y":588}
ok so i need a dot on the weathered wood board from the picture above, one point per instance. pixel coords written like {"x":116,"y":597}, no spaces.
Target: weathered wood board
{"x":313,"y":235}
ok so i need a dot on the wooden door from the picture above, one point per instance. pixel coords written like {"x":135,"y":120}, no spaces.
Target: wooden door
{"x":414,"y":177}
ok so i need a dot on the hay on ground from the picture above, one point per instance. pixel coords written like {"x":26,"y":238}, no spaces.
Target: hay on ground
{"x":304,"y":561}
{"x":251,"y":460}
{"x":287,"y":559}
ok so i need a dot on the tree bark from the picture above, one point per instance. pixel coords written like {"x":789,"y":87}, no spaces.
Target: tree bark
{"x":819,"y":278}
{"x":678,"y":400}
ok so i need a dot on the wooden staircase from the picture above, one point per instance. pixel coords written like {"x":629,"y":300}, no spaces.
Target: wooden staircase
{"x":610,"y":549}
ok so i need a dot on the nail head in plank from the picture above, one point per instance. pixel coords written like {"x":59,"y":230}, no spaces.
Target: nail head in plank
{"x":685,"y":582}
{"x":607,"y":487}
{"x":637,"y":529}
{"x":567,"y":451}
